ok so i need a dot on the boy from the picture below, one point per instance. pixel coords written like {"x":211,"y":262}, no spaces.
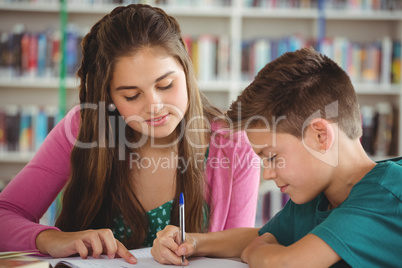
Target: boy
{"x":302,"y":118}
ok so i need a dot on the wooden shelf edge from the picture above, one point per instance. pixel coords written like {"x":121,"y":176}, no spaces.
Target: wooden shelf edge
{"x":16,"y":157}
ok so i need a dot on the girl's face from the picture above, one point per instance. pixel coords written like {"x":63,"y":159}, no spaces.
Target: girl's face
{"x":149,"y":90}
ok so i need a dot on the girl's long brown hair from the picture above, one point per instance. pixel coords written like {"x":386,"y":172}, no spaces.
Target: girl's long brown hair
{"x":100,"y":186}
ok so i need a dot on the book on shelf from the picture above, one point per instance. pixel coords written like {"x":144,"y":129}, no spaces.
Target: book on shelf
{"x":27,"y":124}
{"x":396,"y":62}
{"x":374,"y":62}
{"x":368,"y":137}
{"x":12,"y":127}
{"x":256,"y":53}
{"x":3,"y":141}
{"x":37,"y":54}
{"x":384,"y":125}
{"x":270,"y":201}
{"x":386,"y":60}
{"x":273,"y":201}
{"x":354,"y":5}
{"x":23,"y":129}
{"x":371,"y":62}
{"x":209,"y":55}
{"x":176,"y":3}
{"x":223,"y":54}
{"x":380,"y":124}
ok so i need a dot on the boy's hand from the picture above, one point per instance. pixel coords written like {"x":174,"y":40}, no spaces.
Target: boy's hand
{"x":166,"y":249}
{"x":259,"y":241}
{"x":85,"y":243}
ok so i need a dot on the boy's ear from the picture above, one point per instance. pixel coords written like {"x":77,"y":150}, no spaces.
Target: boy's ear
{"x":323,"y":133}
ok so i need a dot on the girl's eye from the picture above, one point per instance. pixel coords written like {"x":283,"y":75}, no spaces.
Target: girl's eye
{"x":167,"y":87}
{"x":132,"y":98}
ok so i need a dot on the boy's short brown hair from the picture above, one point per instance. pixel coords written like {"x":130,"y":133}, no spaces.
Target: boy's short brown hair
{"x":294,"y":88}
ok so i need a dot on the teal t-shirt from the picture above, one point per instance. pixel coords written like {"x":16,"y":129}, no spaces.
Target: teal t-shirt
{"x":365,"y":230}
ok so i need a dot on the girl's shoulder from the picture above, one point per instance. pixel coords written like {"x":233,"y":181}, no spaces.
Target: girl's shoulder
{"x":72,"y":120}
{"x":225,"y":138}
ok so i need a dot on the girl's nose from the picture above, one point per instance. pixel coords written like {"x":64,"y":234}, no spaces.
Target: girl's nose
{"x":156,"y":107}
{"x":155,"y":104}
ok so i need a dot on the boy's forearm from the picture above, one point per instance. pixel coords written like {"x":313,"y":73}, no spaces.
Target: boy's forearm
{"x":224,"y":244}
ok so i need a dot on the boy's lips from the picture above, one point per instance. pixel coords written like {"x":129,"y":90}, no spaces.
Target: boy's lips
{"x":283,"y":187}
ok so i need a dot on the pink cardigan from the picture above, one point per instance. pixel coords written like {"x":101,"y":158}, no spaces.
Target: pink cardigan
{"x":233,"y":172}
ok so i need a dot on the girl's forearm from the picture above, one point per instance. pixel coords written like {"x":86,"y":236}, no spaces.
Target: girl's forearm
{"x":225,"y":244}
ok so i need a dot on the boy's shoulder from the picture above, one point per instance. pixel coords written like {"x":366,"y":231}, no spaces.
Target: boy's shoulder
{"x":396,"y":160}
{"x":388,"y":175}
{"x":390,"y":167}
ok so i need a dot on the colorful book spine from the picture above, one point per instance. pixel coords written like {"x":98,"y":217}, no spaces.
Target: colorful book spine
{"x":355,"y":5}
{"x":210,"y":56}
{"x":42,"y":54}
{"x":41,"y":129}
{"x":396,"y":70}
{"x":380,"y":125}
{"x":368,"y":123}
{"x":3,"y":130}
{"x":37,"y":54}
{"x":384,"y":128}
{"x":33,"y":56}
{"x":223,"y":57}
{"x":258,"y":52}
{"x":207,"y":57}
{"x":25,"y":128}
{"x":12,"y":127}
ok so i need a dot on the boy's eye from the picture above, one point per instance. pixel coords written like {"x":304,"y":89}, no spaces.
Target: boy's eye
{"x":132,"y":98}
{"x":166,"y":87}
{"x":270,"y":159}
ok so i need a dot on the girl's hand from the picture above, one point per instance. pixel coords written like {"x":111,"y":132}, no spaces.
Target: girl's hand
{"x":89,"y":242}
{"x":259,"y":241}
{"x":166,"y":249}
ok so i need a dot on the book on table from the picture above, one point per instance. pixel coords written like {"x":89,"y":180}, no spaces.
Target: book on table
{"x":14,"y":259}
{"x":145,"y":260}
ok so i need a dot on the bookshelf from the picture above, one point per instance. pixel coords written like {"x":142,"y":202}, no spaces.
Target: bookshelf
{"x":236,"y":19}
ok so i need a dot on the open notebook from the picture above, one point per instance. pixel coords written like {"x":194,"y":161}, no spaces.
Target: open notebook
{"x":144,"y":258}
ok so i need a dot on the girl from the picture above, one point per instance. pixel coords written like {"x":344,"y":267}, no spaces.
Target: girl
{"x":124,"y":166}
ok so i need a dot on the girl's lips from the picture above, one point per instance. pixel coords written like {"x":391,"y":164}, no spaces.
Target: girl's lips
{"x":158,"y":121}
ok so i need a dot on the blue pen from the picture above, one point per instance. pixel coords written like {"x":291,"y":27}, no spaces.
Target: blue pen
{"x":182,"y":225}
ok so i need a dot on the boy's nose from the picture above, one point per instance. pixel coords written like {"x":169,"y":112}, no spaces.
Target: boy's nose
{"x":268,"y":173}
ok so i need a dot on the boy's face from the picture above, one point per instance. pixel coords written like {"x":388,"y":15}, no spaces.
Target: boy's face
{"x":286,"y":161}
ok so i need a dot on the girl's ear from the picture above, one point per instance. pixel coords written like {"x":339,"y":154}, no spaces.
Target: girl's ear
{"x":323,"y":133}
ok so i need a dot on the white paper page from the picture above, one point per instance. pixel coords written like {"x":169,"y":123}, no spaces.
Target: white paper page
{"x":145,"y":260}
